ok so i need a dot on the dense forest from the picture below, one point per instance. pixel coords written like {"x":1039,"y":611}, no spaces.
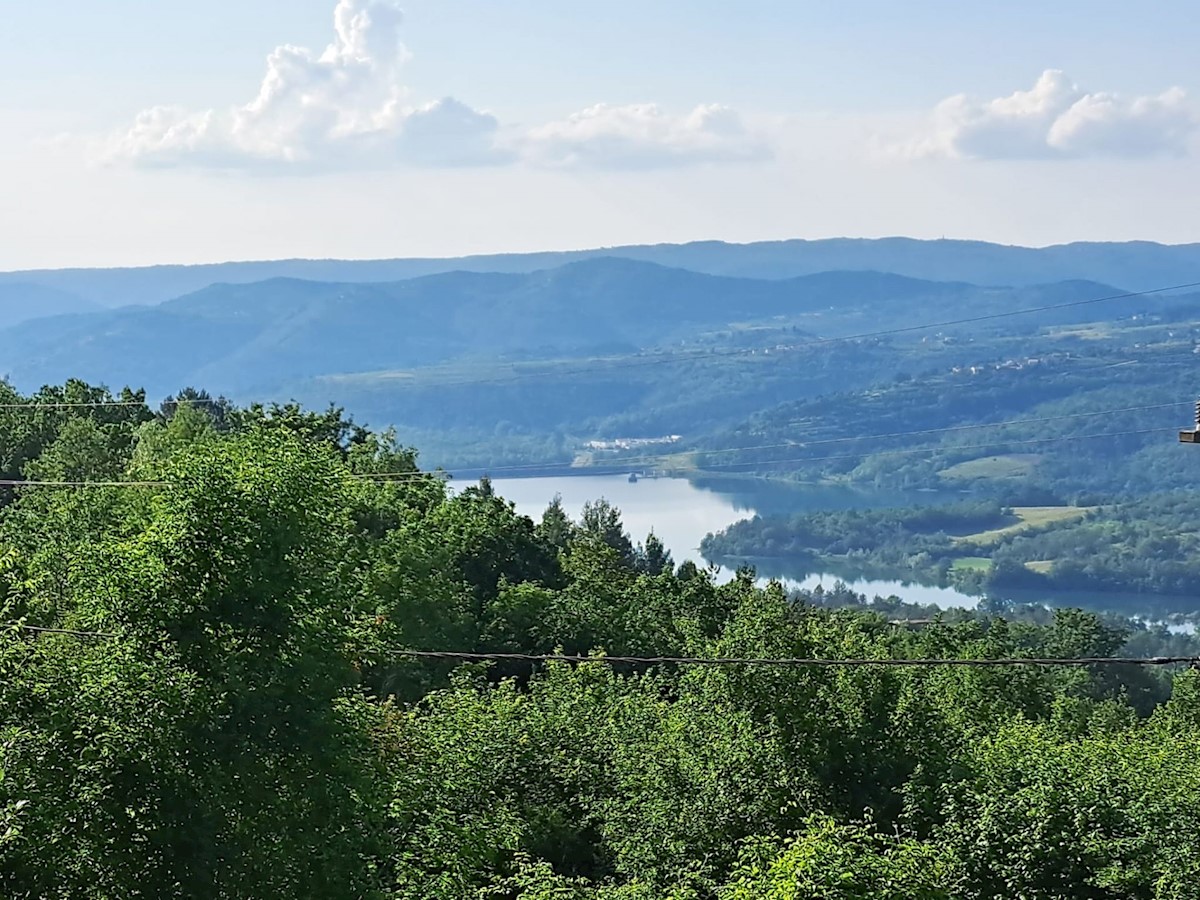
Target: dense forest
{"x":1145,"y":545}
{"x":822,"y":377}
{"x":232,"y":713}
{"x":1033,"y":419}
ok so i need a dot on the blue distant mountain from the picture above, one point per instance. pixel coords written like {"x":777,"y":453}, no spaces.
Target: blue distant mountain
{"x":266,"y":336}
{"x":1132,"y":265}
{"x":22,"y":300}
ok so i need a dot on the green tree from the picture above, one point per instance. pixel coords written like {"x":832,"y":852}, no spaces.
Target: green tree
{"x":228,"y":684}
{"x":601,"y":521}
{"x":556,"y":527}
{"x":830,"y":861}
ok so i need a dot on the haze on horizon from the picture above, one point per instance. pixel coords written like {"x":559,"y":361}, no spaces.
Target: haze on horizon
{"x":359,"y":129}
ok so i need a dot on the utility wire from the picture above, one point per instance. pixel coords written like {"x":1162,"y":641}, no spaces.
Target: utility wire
{"x":16,"y":483}
{"x":90,"y":404}
{"x":652,"y":457}
{"x":794,"y":661}
{"x":799,"y":444}
{"x":37,"y":629}
{"x":947,"y":449}
{"x":406,"y":475}
{"x":464,"y":656}
{"x":416,"y":476}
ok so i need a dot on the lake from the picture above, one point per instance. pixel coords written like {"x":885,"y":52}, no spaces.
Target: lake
{"x":681,"y":513}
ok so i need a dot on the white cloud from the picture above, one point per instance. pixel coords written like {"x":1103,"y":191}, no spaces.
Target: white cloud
{"x":346,"y":104}
{"x":642,"y":136}
{"x":1056,"y":119}
{"x":1143,"y":126}
{"x":347,"y":107}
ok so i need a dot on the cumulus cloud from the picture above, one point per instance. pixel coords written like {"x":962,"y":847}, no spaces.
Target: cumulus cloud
{"x":642,"y":136}
{"x":1057,"y":119}
{"x":345,"y":104}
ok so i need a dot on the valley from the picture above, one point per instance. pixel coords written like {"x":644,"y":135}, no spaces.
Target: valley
{"x":344,"y":476}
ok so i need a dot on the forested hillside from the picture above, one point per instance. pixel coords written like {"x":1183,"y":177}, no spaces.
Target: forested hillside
{"x":272,"y":334}
{"x":491,"y":370}
{"x":21,"y":301}
{"x":232,"y":713}
{"x":1036,"y":418}
{"x":1146,"y":547}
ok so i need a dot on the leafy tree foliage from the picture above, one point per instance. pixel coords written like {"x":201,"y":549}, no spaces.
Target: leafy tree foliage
{"x":241,"y":724}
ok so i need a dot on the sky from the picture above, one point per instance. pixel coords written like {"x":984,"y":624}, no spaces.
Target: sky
{"x":137,"y":133}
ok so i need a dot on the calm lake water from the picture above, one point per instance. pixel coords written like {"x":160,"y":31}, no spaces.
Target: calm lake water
{"x":681,"y":513}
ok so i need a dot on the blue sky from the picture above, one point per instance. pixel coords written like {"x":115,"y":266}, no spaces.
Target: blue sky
{"x":142,"y":132}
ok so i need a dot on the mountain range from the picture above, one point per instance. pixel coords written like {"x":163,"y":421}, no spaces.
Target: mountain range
{"x":23,"y":300}
{"x":1134,"y":265}
{"x":264,"y":337}
{"x":482,"y":368}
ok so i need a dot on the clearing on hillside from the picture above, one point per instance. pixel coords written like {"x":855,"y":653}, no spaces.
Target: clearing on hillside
{"x":1027,"y":517}
{"x":1012,"y":465}
{"x":971,"y":563}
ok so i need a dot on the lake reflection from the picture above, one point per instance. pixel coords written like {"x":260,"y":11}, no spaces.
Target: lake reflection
{"x":677,"y":511}
{"x":908,"y":591}
{"x":681,"y":513}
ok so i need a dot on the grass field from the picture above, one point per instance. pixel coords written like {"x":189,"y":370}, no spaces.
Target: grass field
{"x":972,"y":563}
{"x":1027,"y":517}
{"x":1041,"y":566}
{"x":1092,"y":331}
{"x":1011,"y":465}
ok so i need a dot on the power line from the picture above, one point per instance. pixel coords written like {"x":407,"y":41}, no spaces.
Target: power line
{"x":652,"y":457}
{"x":105,"y":404}
{"x":401,"y":476}
{"x":453,"y":656}
{"x":15,"y":483}
{"x":81,"y":404}
{"x":387,"y":477}
{"x":948,"y":449}
{"x":469,"y":656}
{"x":12,"y":483}
{"x":411,"y":476}
{"x":37,"y":629}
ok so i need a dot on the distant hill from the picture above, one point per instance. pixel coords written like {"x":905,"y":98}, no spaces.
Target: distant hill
{"x":266,"y":336}
{"x":1133,"y":265}
{"x":21,"y":301}
{"x":262,"y":335}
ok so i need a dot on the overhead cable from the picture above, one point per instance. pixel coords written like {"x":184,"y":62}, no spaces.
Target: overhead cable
{"x":807,"y":662}
{"x":415,"y":476}
{"x":802,"y":444}
{"x":70,"y":632}
{"x":452,"y":656}
{"x":400,"y":476}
